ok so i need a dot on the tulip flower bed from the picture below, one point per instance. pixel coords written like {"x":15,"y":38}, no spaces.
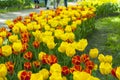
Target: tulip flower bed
{"x":103,"y":7}
{"x":50,"y":45}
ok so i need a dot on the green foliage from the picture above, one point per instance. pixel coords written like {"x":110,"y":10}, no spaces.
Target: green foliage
{"x":106,"y":9}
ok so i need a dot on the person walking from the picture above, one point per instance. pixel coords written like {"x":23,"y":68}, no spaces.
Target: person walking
{"x":46,"y":3}
{"x":36,"y":2}
{"x":65,"y":3}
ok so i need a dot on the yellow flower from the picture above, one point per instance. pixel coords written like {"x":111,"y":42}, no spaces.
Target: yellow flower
{"x":3,"y":34}
{"x":68,"y":28}
{"x":3,"y":70}
{"x":13,"y":38}
{"x":70,"y":51}
{"x":56,"y":76}
{"x":95,"y":67}
{"x":6,"y":50}
{"x":3,"y":78}
{"x":36,"y":27}
{"x":51,"y":45}
{"x":17,"y":46}
{"x":1,"y":41}
{"x":108,"y":58}
{"x":47,"y":33}
{"x":55,"y":68}
{"x":23,"y":28}
{"x":29,"y":26}
{"x":70,"y":36}
{"x":80,"y":75}
{"x":93,"y":78}
{"x":82,"y":44}
{"x":15,"y":30}
{"x":47,"y":27}
{"x":36,"y":76}
{"x":101,"y":58}
{"x":118,"y":73}
{"x":58,"y":33}
{"x":62,"y":47}
{"x":9,"y":22}
{"x":64,"y":78}
{"x":93,"y":53}
{"x":41,"y":54}
{"x":45,"y":73}
{"x":63,"y":37}
{"x":38,"y":35}
{"x":105,"y":68}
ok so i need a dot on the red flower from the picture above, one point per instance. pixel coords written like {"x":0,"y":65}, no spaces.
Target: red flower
{"x":36,"y":64}
{"x":24,"y":47}
{"x":76,"y":60}
{"x":52,"y":59}
{"x":27,"y":65}
{"x":25,"y":40}
{"x":84,"y":57}
{"x":65,"y":70}
{"x":36,"y":44}
{"x":25,"y":34}
{"x":89,"y":64}
{"x":9,"y":33}
{"x":1,"y":52}
{"x":113,"y":72}
{"x":45,"y":59}
{"x":28,"y":55}
{"x":75,"y":68}
{"x":87,"y":70}
{"x":10,"y":67}
{"x":25,"y":75}
{"x":19,"y":18}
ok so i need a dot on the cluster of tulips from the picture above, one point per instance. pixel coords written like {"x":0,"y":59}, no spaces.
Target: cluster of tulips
{"x":43,"y":46}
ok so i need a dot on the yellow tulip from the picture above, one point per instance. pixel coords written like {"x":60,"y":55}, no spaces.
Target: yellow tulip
{"x":15,"y":30}
{"x":36,"y":76}
{"x":55,"y":68}
{"x":70,"y":51}
{"x":3,"y":78}
{"x":44,"y":73}
{"x":56,"y":76}
{"x":80,"y":75}
{"x":3,"y":34}
{"x":51,"y":45}
{"x":3,"y":70}
{"x":17,"y":46}
{"x":118,"y":72}
{"x":62,"y":47}
{"x":105,"y":68}
{"x":108,"y":58}
{"x":101,"y":58}
{"x":68,"y":28}
{"x":1,"y":41}
{"x":58,"y":33}
{"x":6,"y":50}
{"x":93,"y":53}
{"x":13,"y":38}
{"x":82,"y":44}
{"x":40,"y":55}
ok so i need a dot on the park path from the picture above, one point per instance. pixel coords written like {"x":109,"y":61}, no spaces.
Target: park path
{"x":12,"y":15}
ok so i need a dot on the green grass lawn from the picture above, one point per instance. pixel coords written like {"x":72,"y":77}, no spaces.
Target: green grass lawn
{"x":106,"y":38}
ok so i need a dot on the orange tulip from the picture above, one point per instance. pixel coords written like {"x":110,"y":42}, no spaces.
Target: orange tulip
{"x":28,"y":55}
{"x":36,"y":44}
{"x":65,"y":70}
{"x":27,"y":65}
{"x":10,"y":67}
{"x":76,"y":60}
